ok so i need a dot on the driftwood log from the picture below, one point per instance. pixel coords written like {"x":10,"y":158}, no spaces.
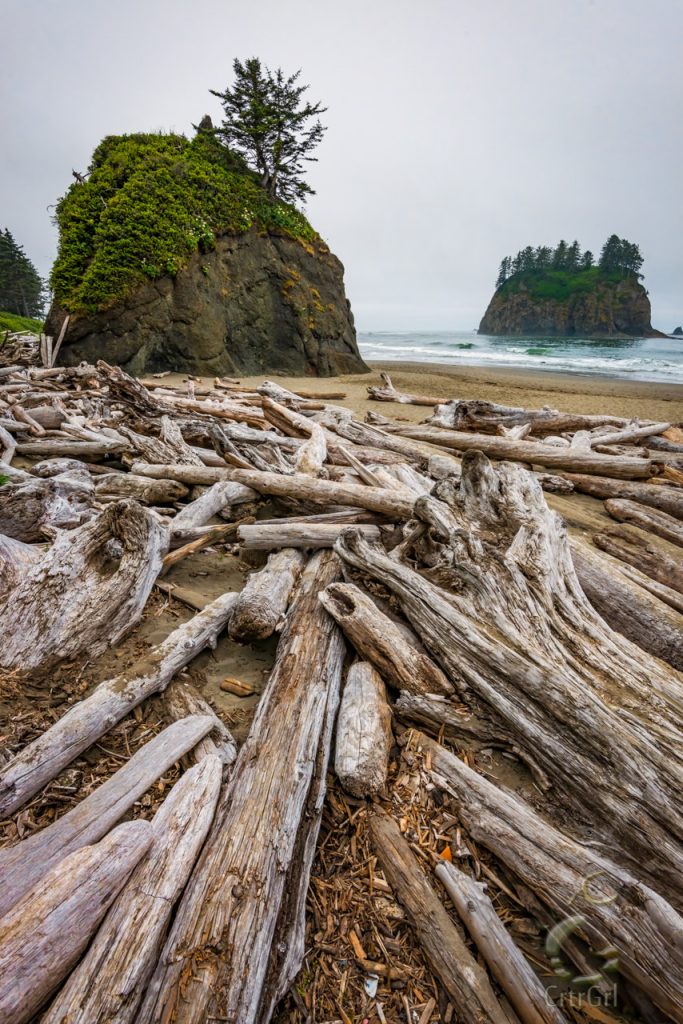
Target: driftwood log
{"x":364,"y":735}
{"x":632,"y":546}
{"x":388,"y":393}
{"x":486,"y":418}
{"x":263,"y":601}
{"x":29,"y":504}
{"x":283,"y":534}
{"x":668,"y":499}
{"x":180,"y":699}
{"x":653,"y":520}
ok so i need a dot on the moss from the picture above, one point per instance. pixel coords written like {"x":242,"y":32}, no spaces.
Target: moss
{"x":149,"y":204}
{"x":559,"y":285}
{"x":12,"y":322}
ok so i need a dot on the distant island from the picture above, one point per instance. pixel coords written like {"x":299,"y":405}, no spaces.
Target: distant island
{"x":564,"y":292}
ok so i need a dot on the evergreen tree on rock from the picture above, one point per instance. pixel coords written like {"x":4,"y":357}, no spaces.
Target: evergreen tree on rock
{"x":21,"y":287}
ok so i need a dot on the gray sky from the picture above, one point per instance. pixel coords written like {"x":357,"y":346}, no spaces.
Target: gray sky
{"x":459,"y":131}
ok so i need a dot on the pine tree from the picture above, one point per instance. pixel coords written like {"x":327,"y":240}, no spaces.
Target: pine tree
{"x":503,"y":271}
{"x":573,"y":257}
{"x":560,"y":256}
{"x":21,"y":289}
{"x":587,"y":260}
{"x":610,"y":254}
{"x":269,"y":124}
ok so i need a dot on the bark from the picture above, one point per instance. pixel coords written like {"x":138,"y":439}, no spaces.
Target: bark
{"x":84,"y":723}
{"x":44,"y":935}
{"x":654,"y":521}
{"x":486,"y":417}
{"x":29,"y":504}
{"x":511,"y":626}
{"x":282,"y":534}
{"x":16,"y":558}
{"x":633,"y":547}
{"x":400,"y":660}
{"x":9,"y":447}
{"x":441,"y":717}
{"x":216,"y":959}
{"x":109,"y":983}
{"x":508,"y":965}
{"x":535,"y":453}
{"x":142,"y":488}
{"x":218,"y":497}
{"x":466,"y":983}
{"x":388,"y":393}
{"x":24,"y":864}
{"x":84,"y":594}
{"x":617,"y":910}
{"x":364,"y":736}
{"x":262,"y":604}
{"x":668,"y":499}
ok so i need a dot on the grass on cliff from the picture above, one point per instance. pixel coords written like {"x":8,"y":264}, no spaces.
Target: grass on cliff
{"x":14,"y":323}
{"x":150,"y":202}
{"x":559,"y":285}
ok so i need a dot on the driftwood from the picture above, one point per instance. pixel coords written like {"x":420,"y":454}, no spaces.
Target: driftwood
{"x":465,"y":982}
{"x":364,"y":735}
{"x":25,"y":863}
{"x":29,"y":505}
{"x":128,"y":485}
{"x":263,"y":536}
{"x":486,"y":418}
{"x":215,"y":961}
{"x":218,"y":497}
{"x":84,"y":594}
{"x":632,"y":433}
{"x":388,"y":393}
{"x":261,"y":605}
{"x":505,"y":960}
{"x":110,"y":981}
{"x":180,"y":699}
{"x":398,"y":655}
{"x":43,"y":759}
{"x":218,"y":534}
{"x":653,"y":520}
{"x":16,"y":558}
{"x":668,"y":499}
{"x":631,"y":545}
{"x":616,"y":909}
{"x":517,"y":635}
{"x":44,"y":935}
{"x":439,"y":716}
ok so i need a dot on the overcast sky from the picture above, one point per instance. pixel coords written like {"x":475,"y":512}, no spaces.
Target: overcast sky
{"x":459,"y":130}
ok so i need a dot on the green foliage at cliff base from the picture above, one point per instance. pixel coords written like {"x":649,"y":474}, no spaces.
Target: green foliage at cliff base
{"x":560,"y":285}
{"x":151,"y":202}
{"x":12,"y":322}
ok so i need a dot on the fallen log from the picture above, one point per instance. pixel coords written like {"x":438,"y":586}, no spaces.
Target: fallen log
{"x":388,"y":393}
{"x":630,"y":545}
{"x":508,"y":965}
{"x":54,"y":448}
{"x":261,"y":606}
{"x":655,"y":521}
{"x":534,"y":452}
{"x":282,"y":534}
{"x":486,"y":418}
{"x":142,"y":488}
{"x":364,"y":736}
{"x":44,"y":935}
{"x":466,"y":983}
{"x":24,"y":864}
{"x":29,"y":504}
{"x":601,"y":720}
{"x":110,"y":981}
{"x":43,"y":759}
{"x":219,"y":496}
{"x":634,"y":432}
{"x":82,"y":594}
{"x":218,"y":534}
{"x":180,"y":699}
{"x":615,"y":908}
{"x":9,"y":446}
{"x":215,"y":962}
{"x":400,"y":659}
{"x":439,"y":716}
{"x":668,"y":499}
{"x":16,"y":558}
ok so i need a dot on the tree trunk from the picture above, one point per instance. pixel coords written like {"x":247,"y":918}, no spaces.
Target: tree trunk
{"x":83,"y":595}
{"x":28,"y":503}
{"x":616,"y":909}
{"x":261,"y":606}
{"x":633,"y":433}
{"x":283,"y":534}
{"x":109,"y":983}
{"x":655,"y":521}
{"x":216,"y":959}
{"x":486,"y":418}
{"x":400,"y":659}
{"x":388,"y":393}
{"x":43,"y":759}
{"x":180,"y":699}
{"x":127,"y":485}
{"x":466,"y":983}
{"x":668,"y":499}
{"x":219,"y":496}
{"x":632,"y":546}
{"x":364,"y":736}
{"x":44,"y":935}
{"x":16,"y":559}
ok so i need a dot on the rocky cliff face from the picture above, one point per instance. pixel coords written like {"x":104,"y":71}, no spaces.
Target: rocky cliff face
{"x":612,"y":309}
{"x":259,"y":302}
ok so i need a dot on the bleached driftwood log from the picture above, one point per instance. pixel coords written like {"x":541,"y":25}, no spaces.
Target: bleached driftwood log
{"x":9,"y":447}
{"x":110,"y":981}
{"x":142,"y":488}
{"x":653,"y":520}
{"x":16,"y":558}
{"x":534,"y":452}
{"x":44,"y":935}
{"x":219,"y":496}
{"x":388,"y":393}
{"x":25,"y":863}
{"x":283,"y":534}
{"x":216,"y":959}
{"x":668,"y":499}
{"x":634,"y":432}
{"x":28,"y":504}
{"x":311,"y":456}
{"x":260,"y":607}
{"x":84,"y":451}
{"x":572,"y":878}
{"x":43,"y":759}
{"x":399,"y":657}
{"x":601,"y":720}
{"x":180,"y":699}
{"x":86,"y":592}
{"x":486,"y":417}
{"x":364,"y":735}
{"x":439,"y":716}
{"x":632,"y":546}
{"x":505,"y":960}
{"x":465,"y":982}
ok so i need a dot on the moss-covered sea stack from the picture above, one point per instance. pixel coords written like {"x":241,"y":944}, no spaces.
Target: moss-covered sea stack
{"x":172,"y":256}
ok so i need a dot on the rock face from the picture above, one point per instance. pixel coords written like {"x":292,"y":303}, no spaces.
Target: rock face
{"x":258,"y":302}
{"x":612,"y":309}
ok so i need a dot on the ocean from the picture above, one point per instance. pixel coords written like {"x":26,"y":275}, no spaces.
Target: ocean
{"x":647,"y":359}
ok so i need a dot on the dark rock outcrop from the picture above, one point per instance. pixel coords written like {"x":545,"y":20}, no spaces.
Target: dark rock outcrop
{"x":259,"y":302}
{"x":678,"y":332}
{"x":612,"y":309}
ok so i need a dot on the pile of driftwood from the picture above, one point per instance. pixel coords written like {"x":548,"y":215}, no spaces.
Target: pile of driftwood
{"x":429,"y":600}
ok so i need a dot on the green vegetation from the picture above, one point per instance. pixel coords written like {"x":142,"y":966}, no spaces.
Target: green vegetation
{"x":12,"y":322}
{"x":558,"y":284}
{"x":560,"y":272}
{"x":148,"y":204}
{"x":22,"y":291}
